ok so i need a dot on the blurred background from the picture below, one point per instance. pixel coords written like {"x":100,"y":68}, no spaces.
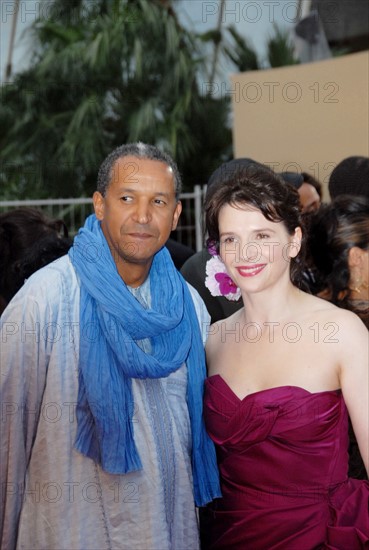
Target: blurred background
{"x":79,"y":77}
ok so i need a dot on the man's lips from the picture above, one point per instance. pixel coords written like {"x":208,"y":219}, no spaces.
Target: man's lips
{"x":250,"y":271}
{"x":142,"y":236}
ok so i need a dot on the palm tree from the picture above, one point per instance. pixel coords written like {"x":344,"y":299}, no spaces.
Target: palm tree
{"x":241,"y":53}
{"x":280,"y":49}
{"x":243,"y":56}
{"x":105,"y":73}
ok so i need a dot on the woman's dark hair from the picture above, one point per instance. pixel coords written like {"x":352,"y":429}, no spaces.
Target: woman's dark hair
{"x":334,"y":230}
{"x":21,"y":229}
{"x":41,"y":253}
{"x":264,"y":190}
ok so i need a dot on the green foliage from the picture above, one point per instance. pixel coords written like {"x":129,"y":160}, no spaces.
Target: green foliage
{"x":241,"y":53}
{"x":105,"y":73}
{"x":280,"y":49}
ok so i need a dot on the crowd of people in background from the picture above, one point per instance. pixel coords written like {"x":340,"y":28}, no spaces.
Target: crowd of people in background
{"x":29,"y":239}
{"x":328,"y":258}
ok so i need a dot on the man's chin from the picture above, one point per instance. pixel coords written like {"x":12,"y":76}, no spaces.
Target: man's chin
{"x":138,"y":259}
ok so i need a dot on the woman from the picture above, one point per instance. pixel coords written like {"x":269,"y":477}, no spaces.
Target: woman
{"x":339,"y":248}
{"x":339,"y":252}
{"x":282,"y":371}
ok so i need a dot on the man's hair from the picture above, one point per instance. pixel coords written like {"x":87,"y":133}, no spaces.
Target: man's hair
{"x":350,"y":177}
{"x":138,"y":150}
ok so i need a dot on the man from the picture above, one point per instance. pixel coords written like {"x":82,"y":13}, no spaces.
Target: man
{"x":103,"y":444}
{"x":350,"y":177}
{"x":309,"y":196}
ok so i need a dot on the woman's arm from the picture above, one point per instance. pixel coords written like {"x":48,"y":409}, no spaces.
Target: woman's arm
{"x":354,"y":377}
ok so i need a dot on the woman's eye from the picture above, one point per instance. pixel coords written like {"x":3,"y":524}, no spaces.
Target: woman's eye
{"x":228,"y":240}
{"x":262,"y":236}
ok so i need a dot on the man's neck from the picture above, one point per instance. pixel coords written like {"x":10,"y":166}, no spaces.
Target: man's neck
{"x":134,"y":275}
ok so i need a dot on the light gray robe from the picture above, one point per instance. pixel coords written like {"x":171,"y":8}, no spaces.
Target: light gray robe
{"x":54,"y":497}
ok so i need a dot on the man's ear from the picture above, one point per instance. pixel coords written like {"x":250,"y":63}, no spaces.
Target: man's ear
{"x":99,"y":205}
{"x":177,"y":213}
{"x":355,"y":256}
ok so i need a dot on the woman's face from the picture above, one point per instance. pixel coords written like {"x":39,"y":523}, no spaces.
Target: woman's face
{"x":359,"y":273}
{"x":255,"y":251}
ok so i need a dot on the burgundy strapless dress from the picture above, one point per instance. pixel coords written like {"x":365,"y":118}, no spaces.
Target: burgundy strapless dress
{"x":283,"y":462}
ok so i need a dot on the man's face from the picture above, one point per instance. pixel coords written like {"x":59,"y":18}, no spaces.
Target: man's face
{"x":309,"y":198}
{"x":137,"y":214}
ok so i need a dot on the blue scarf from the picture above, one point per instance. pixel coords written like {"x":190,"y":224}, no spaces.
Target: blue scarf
{"x":111,"y":323}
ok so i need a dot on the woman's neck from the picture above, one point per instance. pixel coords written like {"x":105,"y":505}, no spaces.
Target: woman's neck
{"x":271,"y":305}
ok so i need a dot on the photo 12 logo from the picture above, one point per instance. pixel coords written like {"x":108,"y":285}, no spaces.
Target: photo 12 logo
{"x":249,"y":12}
{"x":270,"y":92}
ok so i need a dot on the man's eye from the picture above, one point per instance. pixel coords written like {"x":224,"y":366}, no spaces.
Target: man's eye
{"x":159,"y":201}
{"x":126,"y":198}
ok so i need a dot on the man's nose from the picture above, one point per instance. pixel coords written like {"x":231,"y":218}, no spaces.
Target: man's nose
{"x":142,"y":213}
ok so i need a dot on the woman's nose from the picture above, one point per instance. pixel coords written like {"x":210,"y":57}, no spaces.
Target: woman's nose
{"x":251,"y":251}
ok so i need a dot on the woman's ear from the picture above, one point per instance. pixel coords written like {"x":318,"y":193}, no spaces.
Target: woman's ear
{"x":295,"y":245}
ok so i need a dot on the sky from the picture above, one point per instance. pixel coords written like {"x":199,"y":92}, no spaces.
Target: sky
{"x":254,"y":19}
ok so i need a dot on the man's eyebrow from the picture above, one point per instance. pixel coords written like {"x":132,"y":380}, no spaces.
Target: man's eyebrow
{"x":135,"y":191}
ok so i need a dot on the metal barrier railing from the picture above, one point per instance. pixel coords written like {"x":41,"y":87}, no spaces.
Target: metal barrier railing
{"x":74,"y":211}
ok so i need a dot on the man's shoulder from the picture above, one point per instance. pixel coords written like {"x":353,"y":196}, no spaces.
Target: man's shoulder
{"x":201,"y":311}
{"x":195,"y":295}
{"x":60,"y":267}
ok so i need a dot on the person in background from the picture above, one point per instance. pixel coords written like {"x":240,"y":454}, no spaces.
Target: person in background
{"x":339,"y":249}
{"x":179,"y":252}
{"x":310,"y":198}
{"x":283,"y":373}
{"x":103,"y":363}
{"x":41,"y":253}
{"x":27,"y":237}
{"x":350,"y":177}
{"x":309,"y":178}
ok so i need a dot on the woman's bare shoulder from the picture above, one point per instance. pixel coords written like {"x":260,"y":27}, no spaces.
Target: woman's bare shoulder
{"x":347,"y":322}
{"x":221,"y":327}
{"x":228,"y":321}
{"x":316,"y":304}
